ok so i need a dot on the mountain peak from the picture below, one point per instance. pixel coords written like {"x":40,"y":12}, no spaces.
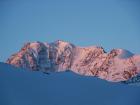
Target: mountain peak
{"x":118,"y":65}
{"x":122,"y":53}
{"x":61,"y":41}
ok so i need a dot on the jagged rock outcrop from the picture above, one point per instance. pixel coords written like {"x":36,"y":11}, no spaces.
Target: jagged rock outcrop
{"x":117,"y":65}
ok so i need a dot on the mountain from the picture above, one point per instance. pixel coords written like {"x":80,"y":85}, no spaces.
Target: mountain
{"x":24,"y":87}
{"x":116,"y":65}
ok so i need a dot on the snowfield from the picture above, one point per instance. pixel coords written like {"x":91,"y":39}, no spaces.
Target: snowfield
{"x":25,"y":87}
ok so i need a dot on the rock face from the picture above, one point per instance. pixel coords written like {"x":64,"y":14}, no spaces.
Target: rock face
{"x":117,"y":65}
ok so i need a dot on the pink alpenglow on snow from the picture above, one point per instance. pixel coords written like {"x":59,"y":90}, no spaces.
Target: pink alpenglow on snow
{"x":117,"y":65}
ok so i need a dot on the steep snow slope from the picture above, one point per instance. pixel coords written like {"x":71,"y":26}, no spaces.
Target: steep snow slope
{"x":125,"y":54}
{"x":23,"y":87}
{"x":117,"y":65}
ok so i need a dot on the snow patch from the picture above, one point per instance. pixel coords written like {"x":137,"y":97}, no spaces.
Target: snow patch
{"x":124,"y":54}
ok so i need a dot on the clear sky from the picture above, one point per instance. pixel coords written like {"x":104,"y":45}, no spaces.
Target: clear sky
{"x":108,"y":23}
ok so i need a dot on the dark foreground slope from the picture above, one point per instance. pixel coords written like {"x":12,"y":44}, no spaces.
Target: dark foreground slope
{"x":21,"y":87}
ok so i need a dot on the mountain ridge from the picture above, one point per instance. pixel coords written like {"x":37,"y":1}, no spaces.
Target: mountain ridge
{"x":116,"y":65}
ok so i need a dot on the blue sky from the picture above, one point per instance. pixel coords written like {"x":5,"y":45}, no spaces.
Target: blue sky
{"x":108,"y":23}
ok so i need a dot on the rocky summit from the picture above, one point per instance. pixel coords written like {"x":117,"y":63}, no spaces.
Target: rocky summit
{"x":116,"y":65}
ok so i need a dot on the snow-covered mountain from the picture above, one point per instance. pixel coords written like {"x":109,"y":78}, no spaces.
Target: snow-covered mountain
{"x":117,"y":65}
{"x":24,"y":87}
